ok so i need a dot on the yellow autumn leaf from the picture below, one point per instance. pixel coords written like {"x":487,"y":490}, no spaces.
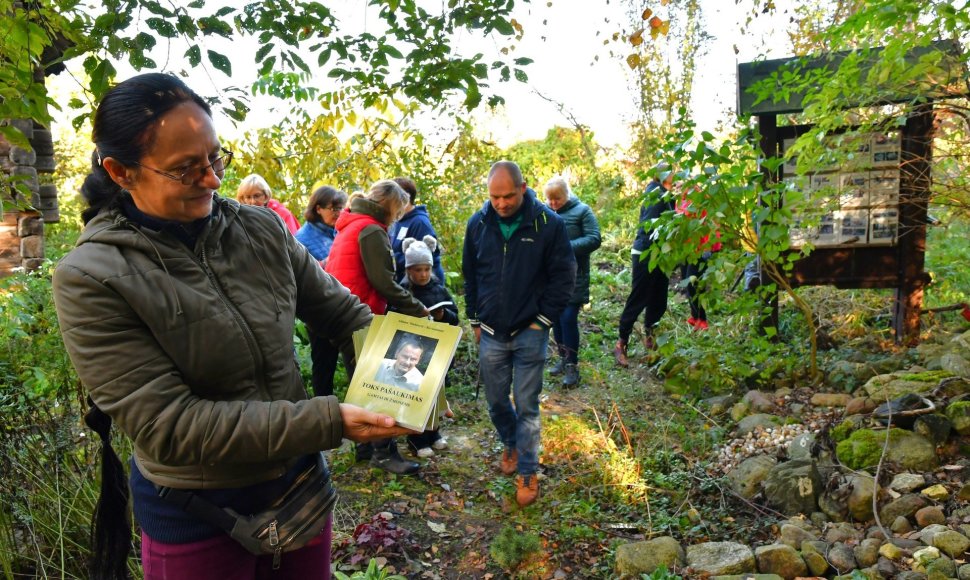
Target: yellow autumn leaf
{"x":636,"y":39}
{"x":633,"y":60}
{"x":664,"y":2}
{"x":647,"y":13}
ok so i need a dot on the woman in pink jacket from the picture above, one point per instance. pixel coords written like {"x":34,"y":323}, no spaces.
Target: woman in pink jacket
{"x":253,"y":190}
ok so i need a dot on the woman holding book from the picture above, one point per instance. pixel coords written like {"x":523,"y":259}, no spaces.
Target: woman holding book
{"x":177,"y":309}
{"x":361,"y":259}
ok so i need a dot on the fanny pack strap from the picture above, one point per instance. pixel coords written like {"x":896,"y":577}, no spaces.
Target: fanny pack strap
{"x":263,"y":535}
{"x":195,"y":505}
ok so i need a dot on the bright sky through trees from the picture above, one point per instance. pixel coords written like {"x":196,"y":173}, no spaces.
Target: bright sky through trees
{"x":572,"y":67}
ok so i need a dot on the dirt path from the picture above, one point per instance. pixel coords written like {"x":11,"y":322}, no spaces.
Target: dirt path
{"x":441,"y":523}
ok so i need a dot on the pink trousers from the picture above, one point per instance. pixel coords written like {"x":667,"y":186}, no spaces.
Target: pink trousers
{"x":222,"y":558}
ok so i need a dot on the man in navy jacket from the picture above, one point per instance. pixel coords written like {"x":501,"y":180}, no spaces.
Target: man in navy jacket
{"x":519,"y":272}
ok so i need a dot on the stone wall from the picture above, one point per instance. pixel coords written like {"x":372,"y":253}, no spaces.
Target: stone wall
{"x":22,"y":223}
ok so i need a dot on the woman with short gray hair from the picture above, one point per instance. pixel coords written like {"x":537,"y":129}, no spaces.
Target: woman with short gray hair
{"x":253,"y":190}
{"x":584,"y":237}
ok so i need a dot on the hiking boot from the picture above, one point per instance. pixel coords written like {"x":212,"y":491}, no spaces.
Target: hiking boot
{"x":510,"y":461}
{"x":556,"y":368}
{"x":619,"y":353}
{"x":440,"y":444}
{"x":649,"y":342}
{"x":391,"y":461}
{"x":571,"y":377}
{"x":526,"y":489}
{"x":691,"y":321}
{"x":363,"y":451}
{"x":425,"y":452}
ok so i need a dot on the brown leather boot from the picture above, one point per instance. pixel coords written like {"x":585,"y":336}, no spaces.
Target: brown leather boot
{"x":619,"y":353}
{"x":510,"y":461}
{"x":526,"y":489}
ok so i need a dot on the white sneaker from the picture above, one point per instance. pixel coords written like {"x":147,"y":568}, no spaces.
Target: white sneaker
{"x":425,"y":452}
{"x":440,"y":444}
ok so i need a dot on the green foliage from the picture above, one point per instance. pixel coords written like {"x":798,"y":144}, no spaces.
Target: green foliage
{"x":34,"y":366}
{"x":417,"y":40}
{"x":48,"y":479}
{"x":722,"y":196}
{"x":660,"y":573}
{"x":946,"y":253}
{"x":512,"y":547}
{"x":373,"y":572}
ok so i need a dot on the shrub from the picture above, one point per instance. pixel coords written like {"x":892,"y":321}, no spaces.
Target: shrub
{"x":511,"y":547}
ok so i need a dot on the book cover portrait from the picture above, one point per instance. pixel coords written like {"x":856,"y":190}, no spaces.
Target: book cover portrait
{"x":406,"y":361}
{"x":402,"y":366}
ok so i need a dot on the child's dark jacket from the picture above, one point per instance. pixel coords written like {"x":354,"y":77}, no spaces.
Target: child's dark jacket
{"x":432,"y":293}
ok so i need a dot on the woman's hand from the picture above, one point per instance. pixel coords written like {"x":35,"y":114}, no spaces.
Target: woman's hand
{"x":362,"y":426}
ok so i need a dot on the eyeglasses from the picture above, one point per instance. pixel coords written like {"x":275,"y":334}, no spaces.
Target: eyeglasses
{"x":335,"y":208}
{"x":193,"y":175}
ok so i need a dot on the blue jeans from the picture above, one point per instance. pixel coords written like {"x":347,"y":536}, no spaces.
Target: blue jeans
{"x":566,"y":332}
{"x":515,"y":366}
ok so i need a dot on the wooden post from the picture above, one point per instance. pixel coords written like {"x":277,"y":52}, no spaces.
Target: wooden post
{"x":914,"y":193}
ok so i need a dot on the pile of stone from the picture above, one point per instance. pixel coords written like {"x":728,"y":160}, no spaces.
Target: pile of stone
{"x":805,"y":549}
{"x":813,"y":458}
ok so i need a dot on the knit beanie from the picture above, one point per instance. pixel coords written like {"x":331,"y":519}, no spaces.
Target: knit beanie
{"x":417,"y":252}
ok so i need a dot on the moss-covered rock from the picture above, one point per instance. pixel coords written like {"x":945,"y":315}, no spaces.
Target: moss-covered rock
{"x":864,"y":447}
{"x":894,"y":385}
{"x":959,"y":415}
{"x":841,"y":432}
{"x":924,"y":376}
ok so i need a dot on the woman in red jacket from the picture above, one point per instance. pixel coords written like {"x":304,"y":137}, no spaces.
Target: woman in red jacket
{"x":692,"y":271}
{"x":361,"y":259}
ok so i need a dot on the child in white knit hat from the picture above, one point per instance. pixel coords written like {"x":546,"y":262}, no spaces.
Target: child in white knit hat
{"x":432,"y":293}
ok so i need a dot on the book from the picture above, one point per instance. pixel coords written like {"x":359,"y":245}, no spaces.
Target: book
{"x":401,"y":369}
{"x":360,"y":335}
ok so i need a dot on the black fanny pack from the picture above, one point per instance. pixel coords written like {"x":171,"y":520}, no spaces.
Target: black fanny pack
{"x":298,"y":516}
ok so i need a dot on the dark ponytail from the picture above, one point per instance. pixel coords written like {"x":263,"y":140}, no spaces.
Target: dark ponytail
{"x":98,"y":189}
{"x":124,"y":126}
{"x":110,"y":525}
